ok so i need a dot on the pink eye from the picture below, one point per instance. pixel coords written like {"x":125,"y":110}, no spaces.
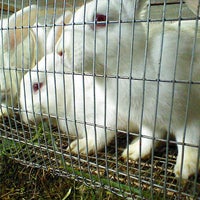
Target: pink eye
{"x":37,"y":86}
{"x":100,"y":20}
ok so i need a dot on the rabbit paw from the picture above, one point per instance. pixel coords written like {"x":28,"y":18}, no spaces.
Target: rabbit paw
{"x":189,"y":164}
{"x":134,"y":149}
{"x":80,"y":146}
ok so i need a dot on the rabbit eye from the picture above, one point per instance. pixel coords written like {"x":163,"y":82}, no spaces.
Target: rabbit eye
{"x":100,"y":20}
{"x":37,"y":86}
{"x":60,"y":53}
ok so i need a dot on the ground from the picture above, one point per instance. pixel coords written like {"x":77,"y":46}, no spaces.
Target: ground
{"x":21,"y":182}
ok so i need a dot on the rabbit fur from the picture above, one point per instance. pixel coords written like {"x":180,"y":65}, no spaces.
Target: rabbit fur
{"x":18,"y":53}
{"x":56,"y":31}
{"x":160,"y":89}
{"x":70,"y":98}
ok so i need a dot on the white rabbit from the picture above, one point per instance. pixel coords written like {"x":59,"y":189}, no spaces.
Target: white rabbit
{"x":193,"y":5}
{"x":45,"y":92}
{"x":57,"y":30}
{"x":20,"y":48}
{"x":163,"y":94}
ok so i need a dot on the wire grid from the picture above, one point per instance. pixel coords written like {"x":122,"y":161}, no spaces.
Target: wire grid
{"x":45,"y":146}
{"x":47,"y":150}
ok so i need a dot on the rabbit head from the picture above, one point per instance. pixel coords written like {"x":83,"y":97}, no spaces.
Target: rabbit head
{"x":17,"y":51}
{"x":38,"y":89}
{"x":99,"y":32}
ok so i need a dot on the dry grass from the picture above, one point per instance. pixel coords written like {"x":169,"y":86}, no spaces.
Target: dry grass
{"x":21,"y":182}
{"x":43,"y":148}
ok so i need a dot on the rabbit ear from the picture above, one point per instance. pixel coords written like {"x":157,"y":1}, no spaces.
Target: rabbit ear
{"x":19,"y":23}
{"x":56,"y":32}
{"x":59,"y":29}
{"x":193,"y":5}
{"x":24,"y":17}
{"x":134,"y":7}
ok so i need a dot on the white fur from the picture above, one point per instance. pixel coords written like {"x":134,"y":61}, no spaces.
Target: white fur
{"x":157,"y":107}
{"x":18,"y":47}
{"x":66,"y":99}
{"x":56,"y":31}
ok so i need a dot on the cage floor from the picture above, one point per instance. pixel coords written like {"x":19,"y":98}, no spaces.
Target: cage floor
{"x":145,"y":179}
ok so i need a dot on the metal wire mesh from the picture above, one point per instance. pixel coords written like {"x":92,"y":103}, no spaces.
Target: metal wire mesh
{"x":42,"y":142}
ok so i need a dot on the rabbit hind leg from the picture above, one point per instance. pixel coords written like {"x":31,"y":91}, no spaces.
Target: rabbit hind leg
{"x":141,"y":147}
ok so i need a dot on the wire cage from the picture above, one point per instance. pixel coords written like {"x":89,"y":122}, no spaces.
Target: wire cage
{"x":33,"y":134}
